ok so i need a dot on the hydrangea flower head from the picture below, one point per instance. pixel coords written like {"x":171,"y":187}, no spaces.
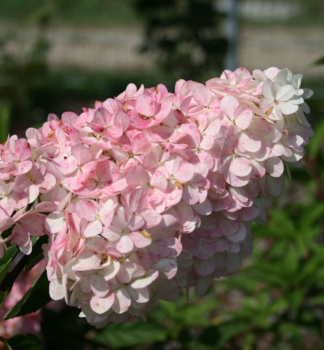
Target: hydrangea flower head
{"x":152,"y":191}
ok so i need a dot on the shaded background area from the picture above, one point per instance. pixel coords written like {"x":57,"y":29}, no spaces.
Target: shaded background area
{"x":58,"y":55}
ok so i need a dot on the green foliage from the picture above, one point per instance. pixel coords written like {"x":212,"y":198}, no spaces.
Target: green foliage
{"x":184,"y":36}
{"x":131,"y":334}
{"x":36,"y":297}
{"x":4,"y":120}
{"x":7,"y":260}
{"x":75,"y":12}
{"x":23,"y":342}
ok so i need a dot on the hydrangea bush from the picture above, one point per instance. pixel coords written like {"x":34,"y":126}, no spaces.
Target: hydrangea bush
{"x":152,"y":192}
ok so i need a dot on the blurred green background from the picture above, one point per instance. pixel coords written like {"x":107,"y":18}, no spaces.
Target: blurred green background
{"x":59,"y":55}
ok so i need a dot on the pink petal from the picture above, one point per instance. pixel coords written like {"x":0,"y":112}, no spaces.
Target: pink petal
{"x":274,"y":166}
{"x":86,"y":261}
{"x":22,"y":150}
{"x":139,"y":295}
{"x":98,"y":285}
{"x":146,"y":281}
{"x":158,"y":180}
{"x":102,"y":305}
{"x":125,"y":244}
{"x":202,"y":95}
{"x":204,"y":208}
{"x":54,"y":222}
{"x":229,"y":105}
{"x":24,"y":167}
{"x":122,"y":301}
{"x":86,"y":209}
{"x":107,"y":212}
{"x":190,"y":194}
{"x":93,"y":229}
{"x":243,"y":120}
{"x":167,"y":268}
{"x":81,"y":153}
{"x":145,"y":105}
{"x":111,"y":270}
{"x":141,"y":238}
{"x":204,"y":267}
{"x":240,"y":166}
{"x":250,"y":142}
{"x":57,"y":290}
{"x":164,"y":111}
{"x":20,"y":235}
{"x":185,"y":172}
{"x":34,"y":223}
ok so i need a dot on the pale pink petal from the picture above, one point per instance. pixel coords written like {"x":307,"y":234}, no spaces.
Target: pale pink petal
{"x":141,"y":238}
{"x":87,"y":261}
{"x":111,"y":270}
{"x":243,"y":120}
{"x":202,"y":95}
{"x":102,"y":305}
{"x":285,"y":93}
{"x":274,"y":166}
{"x":81,"y":153}
{"x":146,"y":281}
{"x":158,"y":180}
{"x":190,"y":194}
{"x":57,"y":289}
{"x":54,"y":222}
{"x":93,"y":229}
{"x":86,"y":209}
{"x":185,"y":172}
{"x":139,"y":295}
{"x":122,"y":301}
{"x":145,"y":105}
{"x":24,"y":167}
{"x":229,"y":105}
{"x":250,"y":141}
{"x":99,"y":286}
{"x":287,"y":108}
{"x":204,"y":208}
{"x":125,"y":244}
{"x":241,"y":166}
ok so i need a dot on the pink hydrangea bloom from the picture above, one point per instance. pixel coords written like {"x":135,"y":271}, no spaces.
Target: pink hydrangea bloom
{"x":152,"y":191}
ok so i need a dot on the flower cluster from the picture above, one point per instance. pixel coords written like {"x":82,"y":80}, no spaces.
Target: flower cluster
{"x":152,"y":191}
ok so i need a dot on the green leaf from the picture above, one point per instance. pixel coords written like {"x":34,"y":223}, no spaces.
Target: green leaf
{"x":3,"y":296}
{"x":195,"y":314}
{"x":130,"y":334}
{"x":318,"y":62}
{"x":317,"y":141}
{"x":4,"y":121}
{"x":37,"y":254}
{"x":199,"y":346}
{"x":36,"y":297}
{"x":7,"y":260}
{"x":23,"y":342}
{"x":230,"y":329}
